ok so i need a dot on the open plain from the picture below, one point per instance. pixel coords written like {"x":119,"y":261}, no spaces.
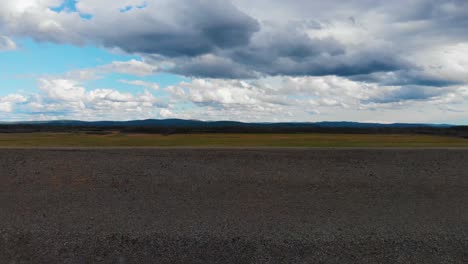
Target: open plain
{"x":118,"y":139}
{"x":157,"y":205}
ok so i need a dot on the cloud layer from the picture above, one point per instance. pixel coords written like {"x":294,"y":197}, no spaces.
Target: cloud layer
{"x":280,"y":98}
{"x":238,"y":39}
{"x":298,"y":57}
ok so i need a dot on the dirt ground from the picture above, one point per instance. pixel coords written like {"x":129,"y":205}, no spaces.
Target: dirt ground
{"x":233,"y":206}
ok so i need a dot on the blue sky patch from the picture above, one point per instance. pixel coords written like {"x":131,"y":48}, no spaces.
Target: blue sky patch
{"x":70,"y":6}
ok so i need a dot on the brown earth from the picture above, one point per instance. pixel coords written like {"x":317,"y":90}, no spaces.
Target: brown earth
{"x":233,"y":206}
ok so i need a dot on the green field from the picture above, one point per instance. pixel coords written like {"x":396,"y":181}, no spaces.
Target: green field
{"x":226,"y":140}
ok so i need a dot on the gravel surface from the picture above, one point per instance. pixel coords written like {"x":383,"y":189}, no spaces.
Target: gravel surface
{"x":233,"y":206}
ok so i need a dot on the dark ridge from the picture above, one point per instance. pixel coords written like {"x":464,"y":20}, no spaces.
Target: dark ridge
{"x":198,"y":123}
{"x":172,"y":126}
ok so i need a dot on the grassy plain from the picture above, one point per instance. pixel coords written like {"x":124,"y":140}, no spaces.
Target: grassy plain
{"x":226,"y":140}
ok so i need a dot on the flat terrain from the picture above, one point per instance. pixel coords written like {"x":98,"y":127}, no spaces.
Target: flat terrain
{"x":233,"y":206}
{"x":227,"y":140}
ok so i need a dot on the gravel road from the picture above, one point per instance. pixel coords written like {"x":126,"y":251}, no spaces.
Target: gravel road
{"x":233,"y":206}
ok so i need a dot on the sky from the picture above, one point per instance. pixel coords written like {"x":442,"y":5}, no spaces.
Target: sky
{"x":244,"y":60}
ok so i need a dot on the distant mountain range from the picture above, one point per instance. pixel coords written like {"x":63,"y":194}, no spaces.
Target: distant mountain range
{"x":218,"y":124}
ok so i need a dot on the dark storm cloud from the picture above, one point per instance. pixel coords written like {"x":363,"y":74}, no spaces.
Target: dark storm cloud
{"x":198,"y":27}
{"x":289,"y":51}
